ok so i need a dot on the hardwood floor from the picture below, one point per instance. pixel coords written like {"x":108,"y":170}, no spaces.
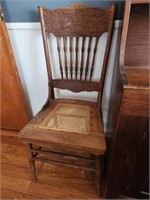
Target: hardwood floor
{"x":54,"y":182}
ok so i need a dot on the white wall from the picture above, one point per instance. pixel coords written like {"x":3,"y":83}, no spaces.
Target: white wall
{"x":28,"y":49}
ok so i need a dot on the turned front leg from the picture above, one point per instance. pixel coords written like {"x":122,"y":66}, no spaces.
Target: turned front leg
{"x":98,"y":174}
{"x":31,"y":162}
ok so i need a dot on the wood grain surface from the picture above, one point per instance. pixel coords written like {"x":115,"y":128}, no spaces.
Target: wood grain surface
{"x":54,"y":181}
{"x":13,"y":107}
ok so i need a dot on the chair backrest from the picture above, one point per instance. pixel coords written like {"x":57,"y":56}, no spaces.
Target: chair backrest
{"x":77,"y":30}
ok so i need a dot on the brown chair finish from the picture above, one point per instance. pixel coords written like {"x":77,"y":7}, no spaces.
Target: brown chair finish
{"x":82,"y":148}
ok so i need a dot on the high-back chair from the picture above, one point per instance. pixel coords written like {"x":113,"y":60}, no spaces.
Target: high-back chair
{"x":71,"y":129}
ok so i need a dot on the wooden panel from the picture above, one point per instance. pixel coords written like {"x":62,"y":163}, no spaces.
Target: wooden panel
{"x":125,"y":154}
{"x":78,"y":20}
{"x":13,"y":108}
{"x":76,"y":85}
{"x":133,"y":140}
{"x":138,"y":76}
{"x":137,"y":51}
{"x":128,"y":133}
{"x":137,"y":45}
{"x":135,"y":101}
{"x":139,"y":182}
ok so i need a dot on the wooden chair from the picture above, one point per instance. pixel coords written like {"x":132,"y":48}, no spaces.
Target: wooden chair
{"x":71,"y":129}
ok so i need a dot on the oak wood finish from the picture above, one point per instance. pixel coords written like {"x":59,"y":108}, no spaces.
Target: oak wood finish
{"x":137,"y":105}
{"x":74,"y":15}
{"x":57,"y":182}
{"x":134,"y":48}
{"x":128,"y":168}
{"x":13,"y":107}
{"x":78,"y":21}
{"x":69,"y":26}
{"x":137,"y":47}
{"x":54,"y":181}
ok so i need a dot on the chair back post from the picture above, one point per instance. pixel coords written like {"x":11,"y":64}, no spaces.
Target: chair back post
{"x":106,"y":56}
{"x":47,"y":57}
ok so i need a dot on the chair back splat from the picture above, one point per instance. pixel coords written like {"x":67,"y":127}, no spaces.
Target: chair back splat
{"x":69,"y":132}
{"x":77,"y":30}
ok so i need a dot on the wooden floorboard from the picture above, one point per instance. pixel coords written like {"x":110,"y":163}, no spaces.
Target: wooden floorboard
{"x":49,"y":191}
{"x":54,"y":182}
{"x":15,"y":171}
{"x":11,"y":148}
{"x":11,"y":195}
{"x":15,"y":184}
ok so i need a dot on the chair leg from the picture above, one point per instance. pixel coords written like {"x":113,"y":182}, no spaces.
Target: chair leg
{"x":31,"y":163}
{"x":98,"y":175}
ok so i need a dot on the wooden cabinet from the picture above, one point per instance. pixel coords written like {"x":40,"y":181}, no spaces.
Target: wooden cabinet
{"x":128,"y":121}
{"x":13,"y":108}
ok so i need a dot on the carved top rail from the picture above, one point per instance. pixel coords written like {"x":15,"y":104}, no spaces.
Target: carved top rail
{"x":77,"y":20}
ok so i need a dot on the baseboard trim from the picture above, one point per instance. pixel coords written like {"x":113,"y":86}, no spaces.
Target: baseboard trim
{"x":36,"y":26}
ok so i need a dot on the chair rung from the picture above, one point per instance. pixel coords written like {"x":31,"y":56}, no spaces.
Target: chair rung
{"x":62,"y":155}
{"x":64,"y":164}
{"x":63,"y":158}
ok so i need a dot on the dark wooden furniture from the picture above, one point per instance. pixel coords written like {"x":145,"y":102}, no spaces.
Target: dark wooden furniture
{"x":13,"y":107}
{"x":72,"y":130}
{"x":128,"y":121}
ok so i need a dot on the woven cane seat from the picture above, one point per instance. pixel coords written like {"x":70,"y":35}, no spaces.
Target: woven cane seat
{"x":73,"y":123}
{"x":68,"y":117}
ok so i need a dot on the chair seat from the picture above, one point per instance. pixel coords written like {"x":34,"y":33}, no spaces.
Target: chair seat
{"x":75,"y":124}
